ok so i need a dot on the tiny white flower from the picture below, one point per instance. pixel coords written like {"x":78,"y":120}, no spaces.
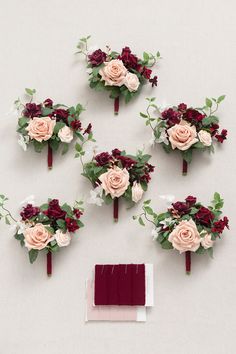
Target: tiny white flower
{"x":23,"y":141}
{"x":96,"y":196}
{"x":163,"y":138}
{"x":152,"y":140}
{"x":169,"y":198}
{"x":154,"y":233}
{"x":166,"y":222}
{"x":28,"y":200}
{"x":19,"y":227}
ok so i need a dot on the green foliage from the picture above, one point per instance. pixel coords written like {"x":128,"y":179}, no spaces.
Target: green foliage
{"x":30,"y":92}
{"x":61,"y":224}
{"x":217,"y":202}
{"x":33,"y":254}
{"x":187,"y":155}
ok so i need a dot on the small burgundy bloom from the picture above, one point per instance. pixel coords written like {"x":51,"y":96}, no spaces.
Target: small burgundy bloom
{"x":71,"y":224}
{"x":219,"y":226}
{"x":29,"y":211}
{"x":103,"y":158}
{"x":54,"y":210}
{"x":213,"y":129}
{"x":88,"y":129}
{"x":171,"y":116}
{"x":192,"y":115}
{"x":97,"y":58}
{"x":146,"y":72}
{"x":48,"y":103}
{"x":77,"y":213}
{"x":116,"y":152}
{"x":150,"y":168}
{"x":32,"y":110}
{"x":76,"y":124}
{"x":182,"y":107}
{"x":60,"y":114}
{"x":181,"y":207}
{"x":130,"y":60}
{"x":190,"y":200}
{"x":204,"y":216}
{"x":222,"y":136}
{"x":146,"y":178}
{"x":154,"y":81}
{"x":126,"y":162}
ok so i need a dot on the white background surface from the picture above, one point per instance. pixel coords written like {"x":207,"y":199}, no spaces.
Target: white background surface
{"x":193,"y":314}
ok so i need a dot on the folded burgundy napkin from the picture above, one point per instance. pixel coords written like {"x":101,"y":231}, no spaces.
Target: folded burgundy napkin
{"x":119,"y":284}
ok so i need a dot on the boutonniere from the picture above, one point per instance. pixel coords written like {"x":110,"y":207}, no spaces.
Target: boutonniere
{"x":49,"y":124}
{"x":122,"y":74}
{"x":116,"y":175}
{"x":187,"y":226}
{"x":185,"y":128}
{"x":44,"y":228}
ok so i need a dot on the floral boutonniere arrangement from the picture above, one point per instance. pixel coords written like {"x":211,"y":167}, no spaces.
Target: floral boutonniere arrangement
{"x":120,"y":73}
{"x":115,"y":175}
{"x":185,"y":128}
{"x":48,"y":124}
{"x":47,"y":227}
{"x":187,"y":226}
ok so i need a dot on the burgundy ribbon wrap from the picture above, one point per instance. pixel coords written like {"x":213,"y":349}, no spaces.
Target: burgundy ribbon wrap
{"x":116,"y":209}
{"x":50,"y":157}
{"x":116,"y":105}
{"x":185,"y":167}
{"x":188,"y":262}
{"x":49,"y":263}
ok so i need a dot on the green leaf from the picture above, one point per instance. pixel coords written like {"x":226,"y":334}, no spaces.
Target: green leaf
{"x":54,"y":144}
{"x":208,"y":102}
{"x":187,"y":155}
{"x":38,"y":147}
{"x":61,"y":224}
{"x":148,"y":210}
{"x":78,"y":147}
{"x":166,"y":245}
{"x":220,"y":99}
{"x":140,"y":220}
{"x":33,"y":254}
{"x":210,"y":120}
{"x":65,"y":148}
{"x":210,"y":252}
{"x":30,"y":92}
{"x":143,"y":115}
{"x":22,"y":122}
{"x":58,"y":126}
{"x":146,"y":56}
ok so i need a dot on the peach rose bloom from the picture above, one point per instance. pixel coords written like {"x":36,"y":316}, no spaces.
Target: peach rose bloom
{"x":137,"y":192}
{"x":41,"y":128}
{"x":207,"y":242}
{"x":205,"y":137}
{"x":185,"y":236}
{"x":115,"y":181}
{"x":37,"y":237}
{"x":132,"y":82}
{"x":63,"y":238}
{"x":182,"y":135}
{"x":113,"y":73}
{"x":66,"y":134}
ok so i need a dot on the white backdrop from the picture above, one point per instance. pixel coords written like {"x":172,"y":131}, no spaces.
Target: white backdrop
{"x":192,"y":314}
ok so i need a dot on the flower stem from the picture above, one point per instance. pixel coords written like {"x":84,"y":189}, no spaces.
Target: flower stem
{"x":50,"y":157}
{"x":116,"y":209}
{"x":116,"y":105}
{"x":8,"y":213}
{"x":185,"y":168}
{"x":49,"y":263}
{"x":188,"y":262}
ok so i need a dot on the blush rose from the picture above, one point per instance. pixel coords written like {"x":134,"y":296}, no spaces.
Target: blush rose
{"x":185,"y":236}
{"x":41,"y":128}
{"x":137,"y":192}
{"x":63,"y":238}
{"x":66,"y":134}
{"x":182,"y":135}
{"x":113,"y":73}
{"x":205,"y":137}
{"x":207,"y":242}
{"x":115,"y":181}
{"x":37,"y":237}
{"x":132,"y":82}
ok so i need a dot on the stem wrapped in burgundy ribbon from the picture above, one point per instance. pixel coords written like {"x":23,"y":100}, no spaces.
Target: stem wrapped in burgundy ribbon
{"x":116,"y":105}
{"x":185,"y":168}
{"x":50,"y":157}
{"x":188,"y":262}
{"x":116,"y":209}
{"x":49,"y":263}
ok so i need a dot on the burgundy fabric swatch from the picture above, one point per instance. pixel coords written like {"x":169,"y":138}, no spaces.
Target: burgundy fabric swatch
{"x":120,"y":284}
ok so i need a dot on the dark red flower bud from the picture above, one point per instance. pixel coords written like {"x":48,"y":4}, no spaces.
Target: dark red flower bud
{"x":48,"y":103}
{"x":190,"y":200}
{"x":146,"y":72}
{"x":54,"y":210}
{"x":193,"y":116}
{"x":153,"y":81}
{"x":181,"y":207}
{"x":182,"y":107}
{"x":76,"y":124}
{"x":77,"y":213}
{"x":130,"y":60}
{"x":32,"y":110}
{"x":204,"y":216}
{"x":103,"y":158}
{"x":222,"y":136}
{"x":116,"y":152}
{"x":60,"y":114}
{"x":171,"y":116}
{"x":71,"y":224}
{"x":88,"y":129}
{"x":97,"y":57}
{"x":219,"y":226}
{"x":29,"y":211}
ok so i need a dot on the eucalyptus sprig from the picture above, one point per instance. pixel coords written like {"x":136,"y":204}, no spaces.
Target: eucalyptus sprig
{"x":5,"y":214}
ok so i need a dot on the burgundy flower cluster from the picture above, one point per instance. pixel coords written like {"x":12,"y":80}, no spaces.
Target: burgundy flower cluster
{"x":130,"y":60}
{"x":220,"y":225}
{"x":184,"y":207}
{"x":29,"y":211}
{"x":105,"y":158}
{"x":54,"y":210}
{"x":32,"y":110}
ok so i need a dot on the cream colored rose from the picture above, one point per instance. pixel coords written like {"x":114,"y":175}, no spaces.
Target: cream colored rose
{"x":115,"y":181}
{"x":66,"y":134}
{"x":37,"y":237}
{"x":63,"y":238}
{"x":185,"y":236}
{"x":41,"y":128}
{"x":132,"y":82}
{"x":137,"y":192}
{"x":205,"y":137}
{"x":206,"y":241}
{"x":182,"y":135}
{"x":113,"y":73}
